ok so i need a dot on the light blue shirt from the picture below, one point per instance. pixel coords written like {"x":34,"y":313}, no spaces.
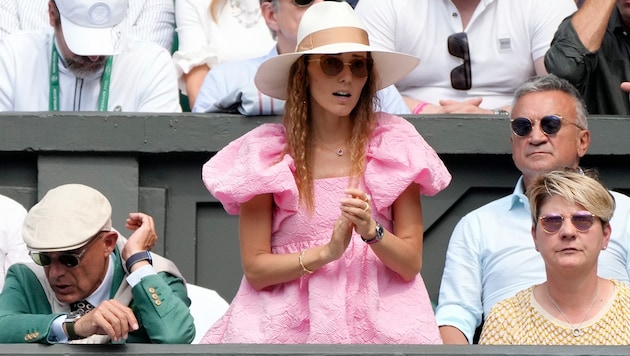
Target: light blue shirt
{"x":229,"y":87}
{"x":491,"y":256}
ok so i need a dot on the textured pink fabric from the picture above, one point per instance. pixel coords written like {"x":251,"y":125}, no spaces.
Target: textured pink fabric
{"x":355,"y":299}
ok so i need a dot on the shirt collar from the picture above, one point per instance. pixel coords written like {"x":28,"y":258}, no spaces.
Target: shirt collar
{"x":519,"y":199}
{"x":101,"y":293}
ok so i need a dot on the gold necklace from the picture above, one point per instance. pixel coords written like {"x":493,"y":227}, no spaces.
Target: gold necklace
{"x":339,"y":151}
{"x":576,"y":331}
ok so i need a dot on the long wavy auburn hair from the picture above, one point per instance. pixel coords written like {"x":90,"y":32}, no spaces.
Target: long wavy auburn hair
{"x":297,"y":120}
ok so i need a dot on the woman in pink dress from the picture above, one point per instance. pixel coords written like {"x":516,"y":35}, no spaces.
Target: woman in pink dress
{"x":318,"y":196}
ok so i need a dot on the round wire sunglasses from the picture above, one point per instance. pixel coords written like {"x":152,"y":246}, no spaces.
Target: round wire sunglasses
{"x":581,"y":220}
{"x":330,"y":65}
{"x":550,"y":125}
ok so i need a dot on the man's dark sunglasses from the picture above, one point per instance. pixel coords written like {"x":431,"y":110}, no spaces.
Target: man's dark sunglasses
{"x":360,"y":67}
{"x":550,"y":125}
{"x":461,"y":77}
{"x":67,"y":259}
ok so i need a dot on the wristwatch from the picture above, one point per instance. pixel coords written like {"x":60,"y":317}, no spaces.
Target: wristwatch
{"x":378,"y":237}
{"x":69,"y":324}
{"x":137,"y":257}
{"x":501,"y":112}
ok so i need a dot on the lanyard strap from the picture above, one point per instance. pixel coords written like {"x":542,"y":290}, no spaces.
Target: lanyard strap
{"x":53,"y":95}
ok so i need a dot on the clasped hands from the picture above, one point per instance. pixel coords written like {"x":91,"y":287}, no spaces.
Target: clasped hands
{"x":448,"y":106}
{"x":356,"y":214}
{"x":357,"y":209}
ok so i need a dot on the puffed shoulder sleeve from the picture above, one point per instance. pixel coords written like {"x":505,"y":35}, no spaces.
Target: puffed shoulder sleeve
{"x":397,"y":156}
{"x":252,"y":165}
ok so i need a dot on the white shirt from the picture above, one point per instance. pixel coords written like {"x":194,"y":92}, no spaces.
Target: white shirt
{"x":151,"y":20}
{"x":143,"y":78}
{"x":505,"y":38}
{"x":12,"y":247}
{"x":239,"y":33}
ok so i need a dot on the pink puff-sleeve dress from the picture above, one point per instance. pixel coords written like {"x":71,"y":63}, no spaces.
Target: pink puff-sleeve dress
{"x":354,"y":300}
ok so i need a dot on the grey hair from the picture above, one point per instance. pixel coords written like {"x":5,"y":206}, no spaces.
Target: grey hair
{"x":552,"y":82}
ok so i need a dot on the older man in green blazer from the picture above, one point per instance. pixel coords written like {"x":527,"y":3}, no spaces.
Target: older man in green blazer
{"x":88,"y":284}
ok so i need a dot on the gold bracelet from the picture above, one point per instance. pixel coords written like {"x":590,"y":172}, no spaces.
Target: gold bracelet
{"x":301,"y":260}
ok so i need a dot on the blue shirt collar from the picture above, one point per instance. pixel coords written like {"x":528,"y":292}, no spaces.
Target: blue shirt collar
{"x":519,"y":199}
{"x":102,"y":293}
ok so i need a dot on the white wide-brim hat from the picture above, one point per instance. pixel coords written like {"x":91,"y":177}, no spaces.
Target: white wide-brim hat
{"x":66,"y":218}
{"x":94,"y":27}
{"x":331,"y":27}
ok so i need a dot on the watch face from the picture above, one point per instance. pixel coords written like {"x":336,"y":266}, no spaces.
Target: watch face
{"x":379,"y":231}
{"x":73,"y":316}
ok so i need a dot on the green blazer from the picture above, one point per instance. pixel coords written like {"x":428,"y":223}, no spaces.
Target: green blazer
{"x":160,"y":303}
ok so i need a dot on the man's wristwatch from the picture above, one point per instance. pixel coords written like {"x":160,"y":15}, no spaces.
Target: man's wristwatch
{"x":69,"y":325}
{"x":501,"y":112}
{"x":378,"y":237}
{"x":137,"y":257}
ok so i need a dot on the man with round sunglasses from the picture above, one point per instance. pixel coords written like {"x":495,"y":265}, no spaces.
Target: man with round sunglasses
{"x":229,"y":86}
{"x":491,"y":255}
{"x":88,"y":284}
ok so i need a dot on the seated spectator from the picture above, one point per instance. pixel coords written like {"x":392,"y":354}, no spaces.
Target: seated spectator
{"x":318,"y":195}
{"x":80,"y":263}
{"x":86,"y":64}
{"x":215,"y":31}
{"x":148,"y":20}
{"x":230,"y":87}
{"x":549,"y":132}
{"x":474,"y":54}
{"x":574,"y":306}
{"x":12,"y":247}
{"x":590,"y":50}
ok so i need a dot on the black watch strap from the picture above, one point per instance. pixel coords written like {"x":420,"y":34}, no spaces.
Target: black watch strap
{"x":137,"y":257}
{"x":379,"y":232}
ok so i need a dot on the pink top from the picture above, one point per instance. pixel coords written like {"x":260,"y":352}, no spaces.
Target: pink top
{"x":355,"y":299}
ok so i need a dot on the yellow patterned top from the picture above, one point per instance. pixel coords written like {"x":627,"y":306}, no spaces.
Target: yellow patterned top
{"x":520,"y":320}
